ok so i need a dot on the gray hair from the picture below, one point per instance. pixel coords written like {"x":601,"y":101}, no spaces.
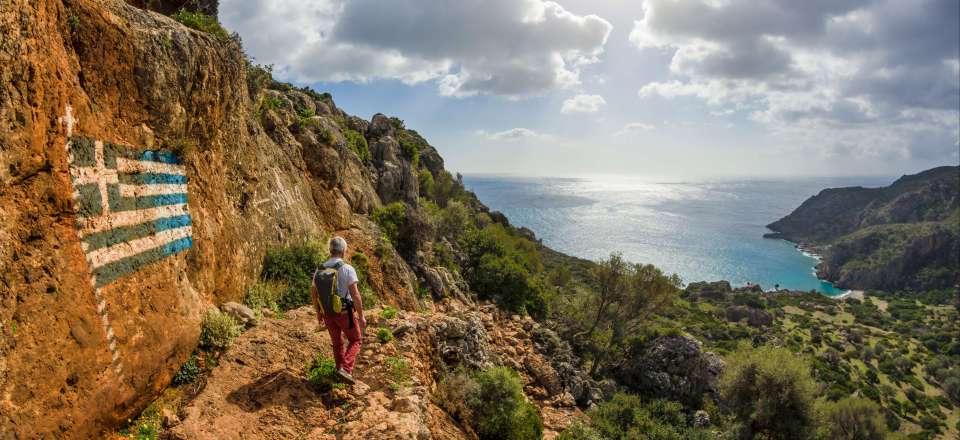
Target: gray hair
{"x":338,"y":245}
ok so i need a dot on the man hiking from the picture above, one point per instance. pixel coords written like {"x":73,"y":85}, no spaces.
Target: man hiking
{"x":336,"y":298}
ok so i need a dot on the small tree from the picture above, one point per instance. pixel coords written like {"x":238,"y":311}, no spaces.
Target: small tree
{"x":851,"y":418}
{"x":770,"y":391}
{"x":624,"y":297}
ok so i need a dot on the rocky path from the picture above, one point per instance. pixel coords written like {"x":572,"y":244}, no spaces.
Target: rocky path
{"x":259,"y":389}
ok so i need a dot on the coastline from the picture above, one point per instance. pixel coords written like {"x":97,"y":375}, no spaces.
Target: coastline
{"x":813,"y":252}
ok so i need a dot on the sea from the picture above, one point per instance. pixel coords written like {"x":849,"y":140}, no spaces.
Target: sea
{"x":700,"y":230}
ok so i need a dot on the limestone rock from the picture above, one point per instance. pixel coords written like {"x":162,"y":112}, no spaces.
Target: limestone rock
{"x":566,"y":365}
{"x":545,"y":375}
{"x":753,"y":316}
{"x":462,"y":341}
{"x":240,"y":313}
{"x":674,"y":367}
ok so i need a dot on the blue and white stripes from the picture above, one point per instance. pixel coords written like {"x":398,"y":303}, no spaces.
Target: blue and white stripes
{"x":131,"y":207}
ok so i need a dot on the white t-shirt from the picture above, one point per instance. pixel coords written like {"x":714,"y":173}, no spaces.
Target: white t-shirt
{"x":346,"y":276}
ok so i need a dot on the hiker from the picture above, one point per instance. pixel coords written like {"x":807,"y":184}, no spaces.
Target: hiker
{"x":336,"y":299}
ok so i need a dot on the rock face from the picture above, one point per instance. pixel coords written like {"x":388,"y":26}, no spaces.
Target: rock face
{"x":462,"y":341}
{"x":396,"y":178}
{"x":100,"y":99}
{"x":673,"y":367}
{"x":906,"y":235}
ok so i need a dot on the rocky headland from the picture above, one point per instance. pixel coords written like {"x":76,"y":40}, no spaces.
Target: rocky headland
{"x":903,"y":236}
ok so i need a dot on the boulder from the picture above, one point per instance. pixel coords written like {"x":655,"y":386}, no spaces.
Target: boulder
{"x":717,"y":290}
{"x":754,"y":317}
{"x":462,"y":340}
{"x":567,"y":366}
{"x":544,"y":374}
{"x":240,"y":313}
{"x":673,"y":367}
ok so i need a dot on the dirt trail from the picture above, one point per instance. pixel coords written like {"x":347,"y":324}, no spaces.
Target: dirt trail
{"x":259,"y":389}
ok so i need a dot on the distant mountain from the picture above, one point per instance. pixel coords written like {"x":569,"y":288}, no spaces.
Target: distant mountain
{"x":904,"y":236}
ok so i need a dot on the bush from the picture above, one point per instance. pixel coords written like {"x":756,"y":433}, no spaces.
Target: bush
{"x":425,"y":180}
{"x":627,"y":416}
{"x":188,"y":372}
{"x":219,"y":330}
{"x":357,"y":143}
{"x":453,"y":391}
{"x":770,"y":391}
{"x":322,"y":372}
{"x":503,"y":267}
{"x":201,"y":22}
{"x":398,"y":372}
{"x":384,"y":335}
{"x":455,"y":219}
{"x":388,"y":312}
{"x":264,"y":295}
{"x":851,"y":419}
{"x":410,"y":147}
{"x":361,"y":264}
{"x":498,"y":407}
{"x":579,"y":431}
{"x":390,"y":218}
{"x":293,"y":267}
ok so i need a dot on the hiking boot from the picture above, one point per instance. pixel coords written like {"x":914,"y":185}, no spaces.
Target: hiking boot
{"x":345,"y":377}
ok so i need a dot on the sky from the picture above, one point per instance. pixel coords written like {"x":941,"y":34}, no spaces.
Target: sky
{"x":658,"y":88}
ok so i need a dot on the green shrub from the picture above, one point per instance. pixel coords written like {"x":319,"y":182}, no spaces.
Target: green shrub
{"x":368,"y":296}
{"x":503,"y":279}
{"x":293,"y":267}
{"x":219,"y":330}
{"x":264,"y":295}
{"x":384,"y":335}
{"x":410,"y":147}
{"x":398,"y":371}
{"x":361,"y":264}
{"x":188,"y":372}
{"x":391,"y":218}
{"x":503,"y":267}
{"x":770,"y":391}
{"x":357,"y":143}
{"x":455,"y":220}
{"x":851,"y":418}
{"x":627,"y":417}
{"x":322,"y":372}
{"x":580,"y":431}
{"x":498,"y":408}
{"x":388,"y":312}
{"x":425,"y":179}
{"x":201,"y":22}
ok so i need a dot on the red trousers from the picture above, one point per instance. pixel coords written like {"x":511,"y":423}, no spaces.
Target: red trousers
{"x":337,"y":326}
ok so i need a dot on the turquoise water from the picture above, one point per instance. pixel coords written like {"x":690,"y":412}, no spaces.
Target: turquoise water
{"x":702,"y":231}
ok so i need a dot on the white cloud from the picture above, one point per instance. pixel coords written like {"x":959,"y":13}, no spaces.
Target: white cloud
{"x":634,"y":127}
{"x":514,"y":134}
{"x":503,"y":47}
{"x":833,"y":73}
{"x":583,"y":104}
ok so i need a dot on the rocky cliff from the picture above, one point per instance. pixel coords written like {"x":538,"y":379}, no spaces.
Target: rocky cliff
{"x":145,"y":169}
{"x":906,"y":235}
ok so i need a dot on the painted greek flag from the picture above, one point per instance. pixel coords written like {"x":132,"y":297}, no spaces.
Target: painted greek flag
{"x":131,"y":206}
